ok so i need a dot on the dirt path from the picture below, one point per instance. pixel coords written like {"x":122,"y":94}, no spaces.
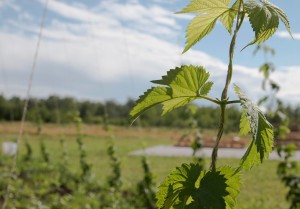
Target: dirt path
{"x":164,"y":150}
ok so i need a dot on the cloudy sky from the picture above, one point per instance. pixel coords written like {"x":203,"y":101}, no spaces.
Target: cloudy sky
{"x":111,"y":49}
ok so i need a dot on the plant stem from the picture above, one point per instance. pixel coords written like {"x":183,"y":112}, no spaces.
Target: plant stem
{"x":210,"y":99}
{"x":219,"y":136}
{"x":224,"y":97}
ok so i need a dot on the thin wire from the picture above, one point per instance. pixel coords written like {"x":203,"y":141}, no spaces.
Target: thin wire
{"x":33,"y":69}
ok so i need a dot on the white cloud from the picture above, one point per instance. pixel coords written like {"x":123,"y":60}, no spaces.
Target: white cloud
{"x":154,"y":19}
{"x":73,"y":12}
{"x":288,"y":79}
{"x":285,"y":34}
{"x":10,"y":4}
{"x":140,"y":14}
{"x":15,"y":47}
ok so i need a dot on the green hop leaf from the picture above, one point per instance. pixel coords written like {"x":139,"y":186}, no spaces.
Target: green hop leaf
{"x":193,"y":188}
{"x":266,"y":69}
{"x":182,"y":86}
{"x":208,"y":14}
{"x":260,"y":128}
{"x":178,"y":186}
{"x":227,"y":18}
{"x":262,"y":100}
{"x":244,"y":124}
{"x":264,"y":18}
{"x":206,"y":88}
{"x":151,"y":97}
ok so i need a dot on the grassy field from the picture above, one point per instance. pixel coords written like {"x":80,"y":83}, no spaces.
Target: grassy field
{"x":261,"y":186}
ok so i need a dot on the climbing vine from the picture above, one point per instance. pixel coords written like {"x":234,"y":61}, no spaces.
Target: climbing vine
{"x":190,"y":185}
{"x":287,"y":169}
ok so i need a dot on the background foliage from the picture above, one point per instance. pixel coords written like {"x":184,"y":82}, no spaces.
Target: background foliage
{"x":55,"y":109}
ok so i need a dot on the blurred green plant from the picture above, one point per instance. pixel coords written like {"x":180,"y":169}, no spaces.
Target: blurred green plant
{"x":28,"y":154}
{"x":44,"y":153}
{"x":84,"y":165}
{"x":146,"y":188}
{"x":114,"y":180}
{"x":287,"y":169}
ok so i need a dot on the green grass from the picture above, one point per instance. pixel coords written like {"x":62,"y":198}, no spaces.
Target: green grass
{"x":261,"y":186}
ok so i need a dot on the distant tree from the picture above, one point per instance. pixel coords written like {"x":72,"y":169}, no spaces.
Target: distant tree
{"x":15,"y":108}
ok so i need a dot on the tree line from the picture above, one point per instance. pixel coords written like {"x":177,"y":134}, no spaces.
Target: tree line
{"x":55,"y":109}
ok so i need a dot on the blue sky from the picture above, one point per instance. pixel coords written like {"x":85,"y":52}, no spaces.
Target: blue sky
{"x":111,"y":49}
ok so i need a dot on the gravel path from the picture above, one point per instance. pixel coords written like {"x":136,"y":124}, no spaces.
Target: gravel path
{"x":164,"y":150}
